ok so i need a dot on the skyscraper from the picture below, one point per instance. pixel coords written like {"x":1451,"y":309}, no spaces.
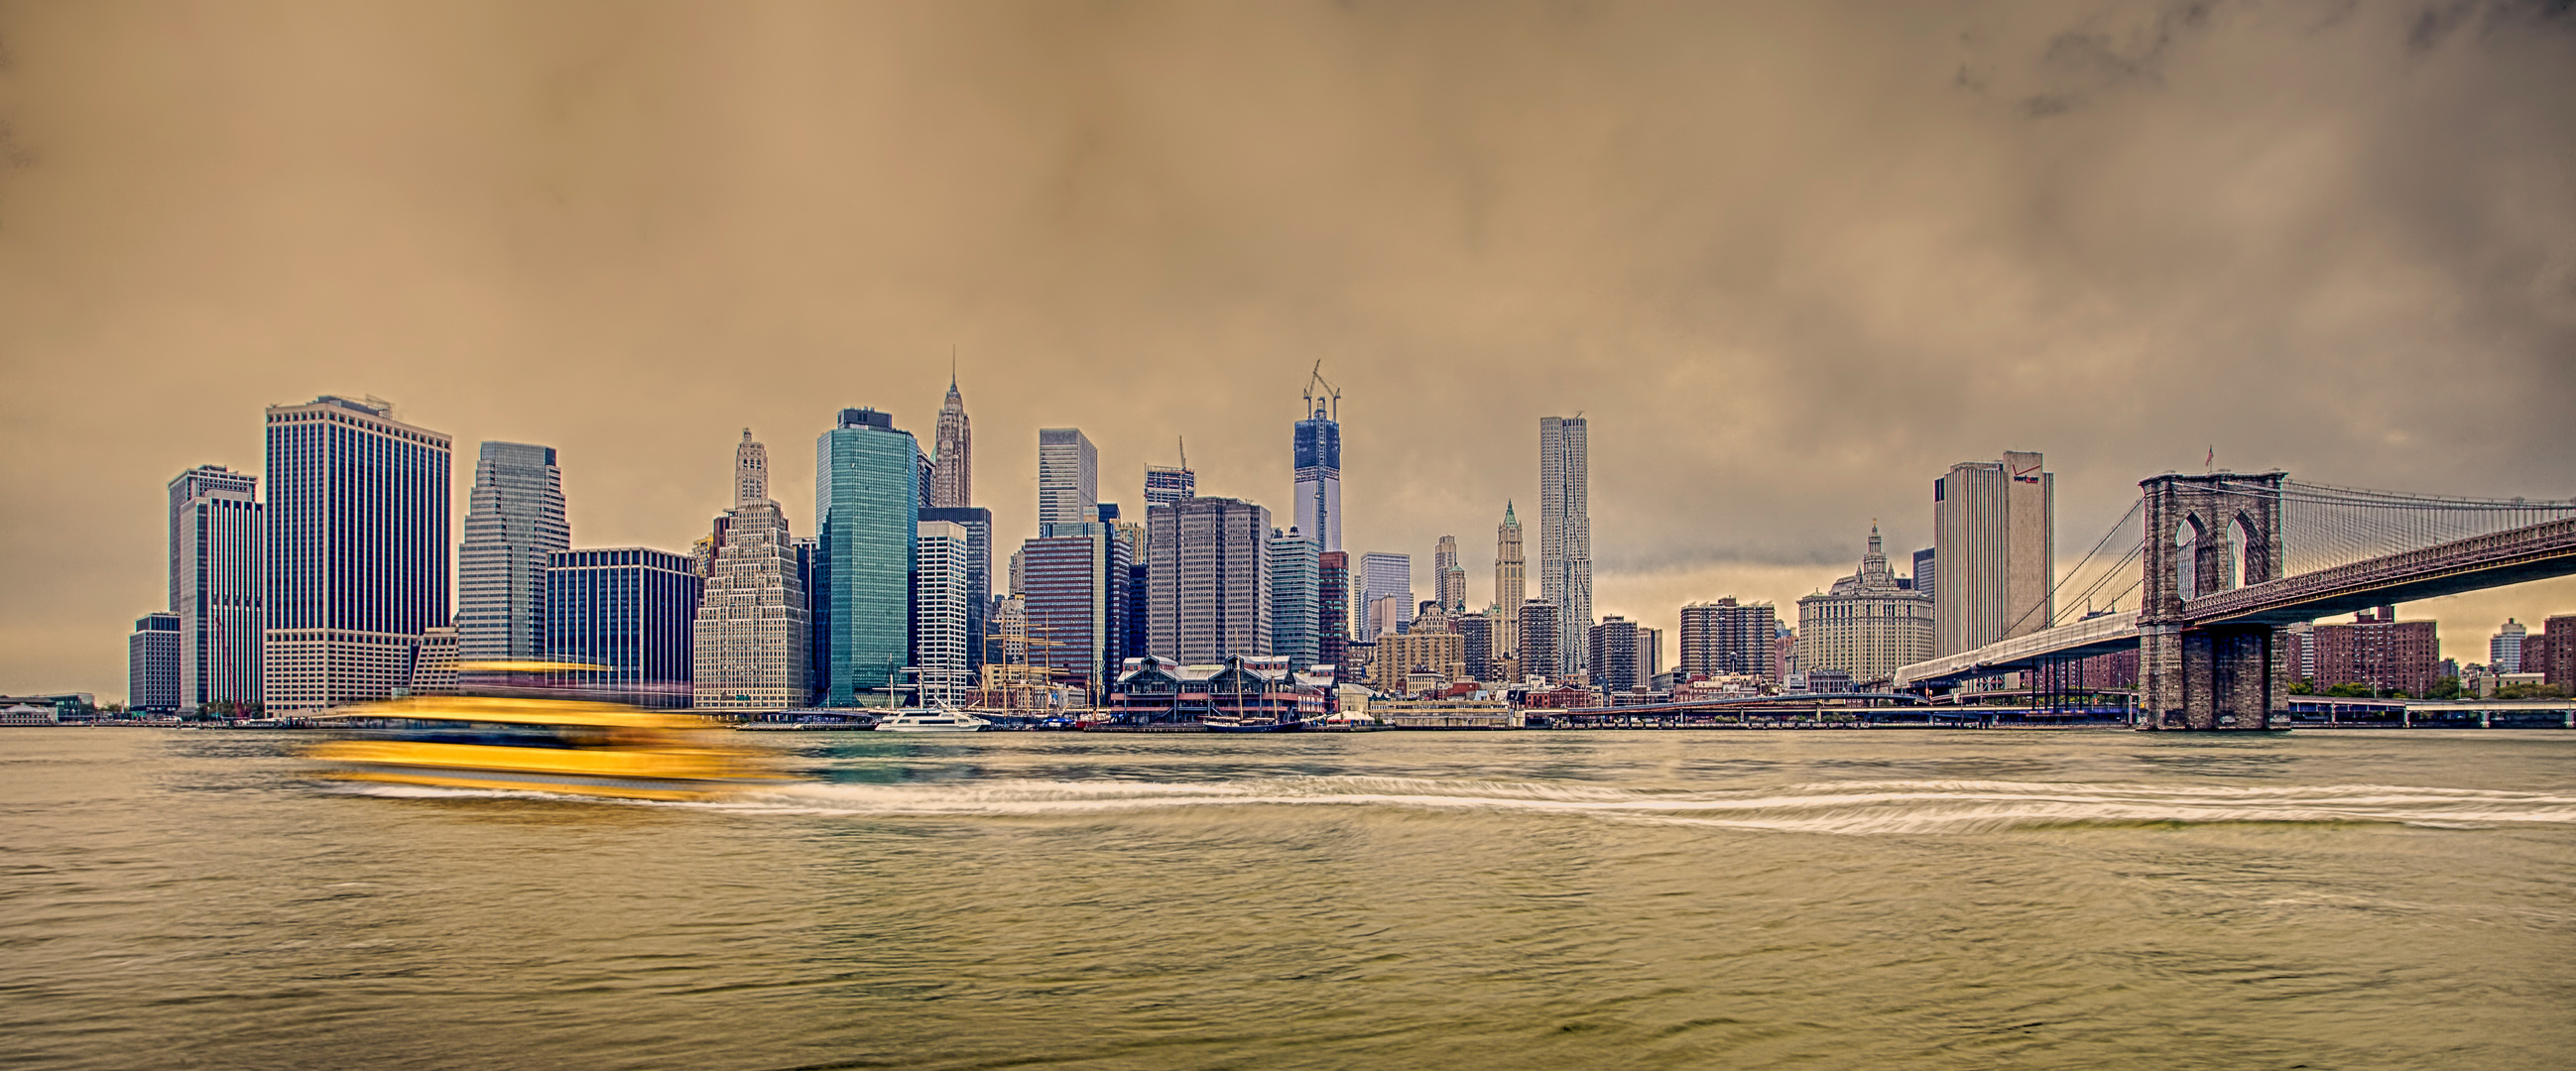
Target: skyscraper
{"x":1865,"y":625}
{"x":354,"y":551}
{"x":1165,"y":485}
{"x":866,"y":498}
{"x":215,"y":585}
{"x":1994,"y":541}
{"x":1209,"y":577}
{"x":1565,"y":535}
{"x":1726,"y":638}
{"x":1295,"y":573}
{"x":1332,"y":607}
{"x":1613,"y":653}
{"x":514,"y":522}
{"x":1926,"y":572}
{"x":2504,"y":649}
{"x":1073,"y":593}
{"x":152,"y":663}
{"x":1539,"y":633}
{"x":1318,"y":494}
{"x":952,"y":476}
{"x":978,"y":523}
{"x":1384,"y":575}
{"x":750,"y":471}
{"x":1449,"y":581}
{"x":633,"y":610}
{"x":943,"y":609}
{"x":1068,"y":477}
{"x":1511,"y":586}
{"x":749,"y":647}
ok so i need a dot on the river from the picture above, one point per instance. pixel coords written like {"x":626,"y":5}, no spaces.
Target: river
{"x":1877,"y":899}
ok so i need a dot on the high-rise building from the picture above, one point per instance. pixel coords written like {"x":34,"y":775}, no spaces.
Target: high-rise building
{"x":1073,"y":592}
{"x":1726,"y":638}
{"x":2557,"y":651}
{"x":215,"y":585}
{"x":1295,"y":571}
{"x":952,"y":473}
{"x":1565,"y":534}
{"x":943,"y":610}
{"x":750,"y":471}
{"x":1386,"y":617}
{"x":1165,"y":485}
{"x":1994,"y":539}
{"x":866,"y":503}
{"x":1539,"y":633}
{"x":514,"y":523}
{"x":978,"y":523}
{"x":1612,"y":653}
{"x":1476,"y":643}
{"x":1318,"y":493}
{"x":1450,"y":580}
{"x":1384,"y":575}
{"x":2380,"y":652}
{"x":1209,"y":593}
{"x":633,"y":610}
{"x":2504,"y":649}
{"x":1068,"y":477}
{"x":152,"y":663}
{"x":749,"y":648}
{"x":354,"y":551}
{"x":1650,"y":655}
{"x":1332,"y":607}
{"x":1511,"y":585}
{"x":1865,"y":625}
{"x":1926,"y":570}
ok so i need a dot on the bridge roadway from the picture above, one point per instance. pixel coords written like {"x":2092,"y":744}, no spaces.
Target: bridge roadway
{"x":2513,"y":556}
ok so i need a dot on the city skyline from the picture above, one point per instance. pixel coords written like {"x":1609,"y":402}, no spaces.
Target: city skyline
{"x":2076,"y":234}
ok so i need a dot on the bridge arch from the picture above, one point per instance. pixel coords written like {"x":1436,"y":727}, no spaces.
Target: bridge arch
{"x":2208,"y":533}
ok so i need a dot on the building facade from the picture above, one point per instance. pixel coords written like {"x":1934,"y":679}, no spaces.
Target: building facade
{"x":1866,"y":624}
{"x":1165,"y":484}
{"x":1994,"y":544}
{"x":354,"y":551}
{"x":215,"y":586}
{"x":1449,"y":580}
{"x":1565,"y":535}
{"x":1318,"y":465}
{"x":1296,"y":569}
{"x":978,"y":523}
{"x":632,"y":610}
{"x":2379,"y":652}
{"x":1402,"y":656}
{"x":1476,"y":643}
{"x":943,"y":610}
{"x":1073,"y":595}
{"x":514,"y":524}
{"x":952,"y":459}
{"x":866,"y":504}
{"x":1068,"y":477}
{"x":1209,"y":582}
{"x":1511,"y":585}
{"x":1382,"y":576}
{"x":152,"y":663}
{"x":1613,"y":654}
{"x":749,"y":647}
{"x":2504,"y":649}
{"x":1539,"y":633}
{"x":1333,"y":610}
{"x":1726,"y":638}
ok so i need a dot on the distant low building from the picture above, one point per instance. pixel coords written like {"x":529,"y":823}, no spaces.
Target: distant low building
{"x":2379,"y":652}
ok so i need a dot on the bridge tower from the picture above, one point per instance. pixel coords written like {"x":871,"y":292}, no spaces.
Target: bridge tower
{"x":2228,"y":525}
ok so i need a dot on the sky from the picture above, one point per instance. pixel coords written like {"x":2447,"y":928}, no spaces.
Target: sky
{"x":1791,"y":261}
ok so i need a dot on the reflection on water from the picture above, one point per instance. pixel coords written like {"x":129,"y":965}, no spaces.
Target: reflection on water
{"x":1916,"y":899}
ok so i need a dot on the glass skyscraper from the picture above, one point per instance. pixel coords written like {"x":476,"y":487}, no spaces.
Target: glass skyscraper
{"x":1565,"y":536}
{"x":867,"y":501}
{"x":1318,"y":506}
{"x":354,"y":552}
{"x":514,"y":523}
{"x":214,"y":585}
{"x":631,"y":609}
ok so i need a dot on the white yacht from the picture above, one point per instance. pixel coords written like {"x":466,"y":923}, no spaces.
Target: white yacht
{"x":924,"y":720}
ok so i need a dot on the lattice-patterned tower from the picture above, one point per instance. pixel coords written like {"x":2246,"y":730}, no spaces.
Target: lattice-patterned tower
{"x":2227,"y":526}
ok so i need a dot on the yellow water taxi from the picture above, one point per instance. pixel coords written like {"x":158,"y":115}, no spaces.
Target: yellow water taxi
{"x":529,"y":740}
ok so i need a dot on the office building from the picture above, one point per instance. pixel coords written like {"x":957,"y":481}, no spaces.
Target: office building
{"x":1403,"y":657}
{"x":514,"y":523}
{"x":2379,"y":652}
{"x":866,"y":503}
{"x":1333,"y":610}
{"x":1994,"y":540}
{"x":1511,"y":585}
{"x":1612,"y":654}
{"x":1296,"y":569}
{"x":978,"y":523}
{"x":1730,"y":639}
{"x":1165,"y":485}
{"x":1382,"y":576}
{"x":750,"y":471}
{"x":751,"y":645}
{"x":354,"y":551}
{"x":1318,"y":494}
{"x":2504,"y":649}
{"x":434,"y":669}
{"x":1209,"y":592}
{"x":1865,"y":625}
{"x":215,"y":586}
{"x":1387,"y":616}
{"x":1539,"y":633}
{"x":152,"y":663}
{"x":952,"y":459}
{"x":1068,"y":477}
{"x":1925,"y":572}
{"x":1565,"y":536}
{"x":1448,"y":579}
{"x":943,"y":610}
{"x":1476,"y":643}
{"x":1074,"y":596}
{"x":632,"y":610}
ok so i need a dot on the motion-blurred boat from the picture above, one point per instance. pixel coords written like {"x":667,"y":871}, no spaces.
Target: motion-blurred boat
{"x":931,"y":721}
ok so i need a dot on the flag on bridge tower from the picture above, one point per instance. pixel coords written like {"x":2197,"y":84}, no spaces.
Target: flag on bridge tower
{"x":2210,"y":463}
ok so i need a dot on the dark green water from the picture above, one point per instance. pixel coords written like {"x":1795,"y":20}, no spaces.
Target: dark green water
{"x":1524,"y":900}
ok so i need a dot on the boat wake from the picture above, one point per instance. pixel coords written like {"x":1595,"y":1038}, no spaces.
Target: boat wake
{"x":1848,"y":808}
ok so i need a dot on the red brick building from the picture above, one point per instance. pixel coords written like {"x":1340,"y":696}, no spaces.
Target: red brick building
{"x":2378,"y":651}
{"x":2552,"y":651}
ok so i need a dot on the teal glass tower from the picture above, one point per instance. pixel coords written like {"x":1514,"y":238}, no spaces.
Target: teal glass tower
{"x":867,"y":499}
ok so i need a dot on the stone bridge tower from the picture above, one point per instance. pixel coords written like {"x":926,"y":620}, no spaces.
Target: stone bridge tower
{"x":2227,"y":526}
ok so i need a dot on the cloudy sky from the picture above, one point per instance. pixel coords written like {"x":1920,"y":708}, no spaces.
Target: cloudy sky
{"x":1792,"y":260}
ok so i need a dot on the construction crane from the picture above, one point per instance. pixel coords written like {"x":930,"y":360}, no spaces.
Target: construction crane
{"x":1316,"y":401}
